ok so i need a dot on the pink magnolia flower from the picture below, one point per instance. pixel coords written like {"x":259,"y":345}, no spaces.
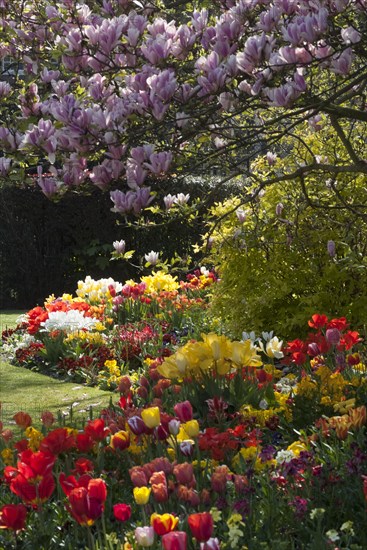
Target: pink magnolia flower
{"x":342,"y":63}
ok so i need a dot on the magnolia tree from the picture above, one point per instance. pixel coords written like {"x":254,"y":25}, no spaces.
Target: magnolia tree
{"x":120,"y":93}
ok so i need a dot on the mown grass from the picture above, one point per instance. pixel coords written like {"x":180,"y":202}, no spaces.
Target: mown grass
{"x":22,"y":389}
{"x":8,"y":318}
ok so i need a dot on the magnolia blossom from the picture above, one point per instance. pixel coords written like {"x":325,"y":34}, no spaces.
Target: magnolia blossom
{"x":169,"y":201}
{"x":181,"y":199}
{"x":331,"y":248}
{"x":152,"y":257}
{"x":49,"y":186}
{"x":4,"y":165}
{"x":68,"y":321}
{"x":133,"y":75}
{"x":119,"y":246}
{"x":241,"y":215}
{"x":5,"y":89}
{"x":271,"y":158}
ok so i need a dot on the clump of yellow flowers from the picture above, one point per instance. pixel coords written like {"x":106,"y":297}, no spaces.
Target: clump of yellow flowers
{"x":215,"y":352}
{"x":159,"y":281}
{"x":96,"y":291}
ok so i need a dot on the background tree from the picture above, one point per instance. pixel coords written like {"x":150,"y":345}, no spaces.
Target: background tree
{"x":296,"y":248}
{"x":115,"y":93}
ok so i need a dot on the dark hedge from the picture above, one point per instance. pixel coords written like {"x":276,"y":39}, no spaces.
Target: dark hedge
{"x":47,"y":247}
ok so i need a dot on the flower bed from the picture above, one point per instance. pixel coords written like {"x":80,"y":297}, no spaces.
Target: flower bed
{"x":212,"y":443}
{"x":82,"y":337}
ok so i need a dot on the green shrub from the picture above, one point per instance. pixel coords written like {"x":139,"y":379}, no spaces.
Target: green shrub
{"x":275,"y":267}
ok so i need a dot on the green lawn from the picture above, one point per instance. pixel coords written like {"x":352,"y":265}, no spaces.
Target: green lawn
{"x":8,"y":318}
{"x":22,"y":389}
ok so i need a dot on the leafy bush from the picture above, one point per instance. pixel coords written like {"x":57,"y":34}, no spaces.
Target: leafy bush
{"x":276,"y":253}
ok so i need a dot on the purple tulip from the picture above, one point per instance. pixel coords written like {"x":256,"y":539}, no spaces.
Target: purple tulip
{"x":186,"y":448}
{"x":136,"y":425}
{"x":333,"y":336}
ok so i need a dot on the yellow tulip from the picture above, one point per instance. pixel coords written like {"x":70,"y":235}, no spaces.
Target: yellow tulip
{"x":297,"y":447}
{"x":151,"y":417}
{"x":244,"y":354}
{"x":191,"y":427}
{"x":141,"y":495}
{"x":169,"y":369}
{"x":218,"y":344}
{"x":223,"y":366}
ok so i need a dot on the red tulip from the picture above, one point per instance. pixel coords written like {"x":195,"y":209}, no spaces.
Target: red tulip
{"x":47,"y":418}
{"x":21,"y":445}
{"x":13,"y":516}
{"x":22,"y":419}
{"x":40,"y":463}
{"x":183,"y":411}
{"x":175,"y":540}
{"x":122,"y":512}
{"x":83,"y":465}
{"x":138,"y":476}
{"x":69,"y":483}
{"x":58,"y":441}
{"x":184,"y":473}
{"x":163,"y":523}
{"x":32,"y":479}
{"x":318,"y":321}
{"x":86,"y":497}
{"x":84,"y":443}
{"x":201,"y":526}
{"x":96,"y":429}
{"x":31,"y":492}
{"x":158,"y":482}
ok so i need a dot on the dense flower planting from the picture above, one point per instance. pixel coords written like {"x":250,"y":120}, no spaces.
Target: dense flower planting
{"x":212,"y":443}
{"x":109,"y":328}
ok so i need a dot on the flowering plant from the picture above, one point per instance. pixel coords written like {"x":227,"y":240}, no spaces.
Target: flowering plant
{"x":220,"y":444}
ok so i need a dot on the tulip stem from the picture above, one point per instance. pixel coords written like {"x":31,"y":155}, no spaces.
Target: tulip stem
{"x":90,"y":539}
